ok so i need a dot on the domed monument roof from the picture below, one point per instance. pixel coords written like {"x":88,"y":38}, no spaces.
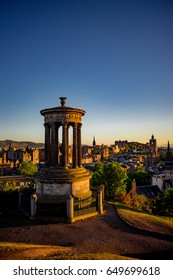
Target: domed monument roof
{"x":64,"y":113}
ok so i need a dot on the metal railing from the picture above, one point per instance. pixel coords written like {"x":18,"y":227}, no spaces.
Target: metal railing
{"x":85,"y":206}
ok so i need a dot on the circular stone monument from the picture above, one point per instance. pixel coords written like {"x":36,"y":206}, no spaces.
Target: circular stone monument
{"x":58,"y":178}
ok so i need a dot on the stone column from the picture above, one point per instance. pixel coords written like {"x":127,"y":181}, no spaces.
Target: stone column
{"x":33,"y":205}
{"x":133,"y":190}
{"x":100,"y":202}
{"x":64,"y":144}
{"x":70,"y":209}
{"x":47,"y":144}
{"x":75,"y":150}
{"x":79,"y":145}
{"x":102,"y":188}
{"x":67,"y":143}
{"x":58,"y":157}
{"x":54,"y":144}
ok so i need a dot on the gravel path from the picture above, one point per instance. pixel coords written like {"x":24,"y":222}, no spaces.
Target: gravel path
{"x":106,"y":233}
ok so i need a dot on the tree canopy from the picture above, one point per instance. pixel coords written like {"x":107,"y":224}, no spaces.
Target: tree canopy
{"x":28,"y":168}
{"x":163,"y":203}
{"x":140,"y":176}
{"x":112,"y":176}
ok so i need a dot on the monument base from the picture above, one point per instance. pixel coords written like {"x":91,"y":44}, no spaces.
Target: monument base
{"x":56,"y":184}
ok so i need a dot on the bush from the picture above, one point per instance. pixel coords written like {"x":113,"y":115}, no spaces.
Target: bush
{"x":139,"y":202}
{"x":164,"y":203}
{"x":28,"y":168}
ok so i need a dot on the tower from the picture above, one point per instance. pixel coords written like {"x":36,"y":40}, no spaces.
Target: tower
{"x":94,"y":141}
{"x":58,"y":179}
{"x":168,"y":153}
{"x":153,"y":146}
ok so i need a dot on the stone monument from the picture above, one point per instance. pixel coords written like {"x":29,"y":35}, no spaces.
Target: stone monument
{"x":58,"y":179}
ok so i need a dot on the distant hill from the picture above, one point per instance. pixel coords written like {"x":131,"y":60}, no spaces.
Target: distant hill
{"x":4,"y":144}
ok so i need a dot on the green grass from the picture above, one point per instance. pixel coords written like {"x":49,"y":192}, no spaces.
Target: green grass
{"x":145,"y":220}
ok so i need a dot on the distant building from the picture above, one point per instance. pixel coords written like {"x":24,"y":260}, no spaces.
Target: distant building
{"x":153,"y":147}
{"x":94,"y":141}
{"x":115,"y":149}
{"x":3,"y":157}
{"x":168,"y":153}
{"x":11,"y":158}
{"x":150,"y":191}
{"x":41,"y":155}
{"x":105,"y":151}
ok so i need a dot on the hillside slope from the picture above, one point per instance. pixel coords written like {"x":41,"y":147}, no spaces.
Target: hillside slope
{"x":4,"y":144}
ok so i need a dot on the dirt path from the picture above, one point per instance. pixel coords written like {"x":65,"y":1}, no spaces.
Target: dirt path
{"x":103,"y":234}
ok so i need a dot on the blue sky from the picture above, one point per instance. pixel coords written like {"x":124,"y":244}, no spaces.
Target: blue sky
{"x":112,"y":58}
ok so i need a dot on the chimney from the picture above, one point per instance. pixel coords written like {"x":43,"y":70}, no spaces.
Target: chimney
{"x":133,"y":187}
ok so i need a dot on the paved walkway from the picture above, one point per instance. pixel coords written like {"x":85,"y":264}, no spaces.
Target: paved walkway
{"x":106,"y":233}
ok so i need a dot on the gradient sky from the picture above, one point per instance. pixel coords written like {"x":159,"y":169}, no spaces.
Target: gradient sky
{"x":112,"y":58}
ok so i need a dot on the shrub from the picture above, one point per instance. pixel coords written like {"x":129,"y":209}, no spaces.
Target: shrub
{"x":164,"y":203}
{"x":139,"y":202}
{"x":28,"y":168}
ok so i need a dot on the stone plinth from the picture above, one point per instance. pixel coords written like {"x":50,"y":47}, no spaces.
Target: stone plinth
{"x":59,"y":183}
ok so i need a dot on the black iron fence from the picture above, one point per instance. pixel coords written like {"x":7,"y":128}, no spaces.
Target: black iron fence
{"x":85,"y":206}
{"x":25,"y":199}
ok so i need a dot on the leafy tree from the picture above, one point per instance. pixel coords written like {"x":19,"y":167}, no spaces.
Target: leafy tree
{"x":112,"y":176}
{"x":28,"y":168}
{"x":164,"y":203}
{"x":140,"y":176}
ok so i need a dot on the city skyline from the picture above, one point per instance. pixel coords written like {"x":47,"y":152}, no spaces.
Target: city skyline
{"x":111,"y":58}
{"x":32,"y":144}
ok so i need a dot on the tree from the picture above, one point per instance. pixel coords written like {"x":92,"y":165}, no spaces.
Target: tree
{"x":112,"y":176}
{"x":28,"y":168}
{"x":140,"y":176}
{"x":164,"y":203}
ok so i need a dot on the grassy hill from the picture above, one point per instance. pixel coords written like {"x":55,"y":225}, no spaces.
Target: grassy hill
{"x":146,"y":221}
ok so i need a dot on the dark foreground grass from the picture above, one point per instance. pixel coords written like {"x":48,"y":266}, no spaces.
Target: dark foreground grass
{"x":22,"y":251}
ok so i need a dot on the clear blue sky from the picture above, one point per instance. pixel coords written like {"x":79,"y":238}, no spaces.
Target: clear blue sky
{"x":112,"y":58}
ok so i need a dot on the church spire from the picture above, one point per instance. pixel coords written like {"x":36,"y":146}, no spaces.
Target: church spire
{"x":168,"y":153}
{"x":94,"y":141}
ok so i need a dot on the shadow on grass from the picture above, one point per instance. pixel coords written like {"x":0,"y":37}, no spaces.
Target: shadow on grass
{"x":113,"y":220}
